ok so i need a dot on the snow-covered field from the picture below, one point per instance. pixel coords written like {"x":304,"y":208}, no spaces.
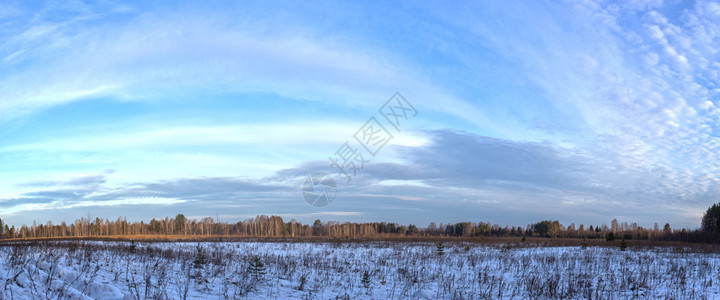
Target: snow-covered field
{"x":377,"y":270}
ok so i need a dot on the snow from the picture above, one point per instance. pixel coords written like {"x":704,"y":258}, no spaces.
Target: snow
{"x":219,"y":270}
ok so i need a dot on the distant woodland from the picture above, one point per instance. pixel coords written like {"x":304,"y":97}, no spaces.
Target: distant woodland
{"x":275,"y":226}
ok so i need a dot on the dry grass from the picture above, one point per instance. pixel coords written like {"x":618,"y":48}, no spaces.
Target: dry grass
{"x":514,"y":242}
{"x":468,"y":268}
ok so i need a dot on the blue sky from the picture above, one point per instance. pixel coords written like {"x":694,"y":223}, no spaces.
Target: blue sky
{"x":577,"y":111}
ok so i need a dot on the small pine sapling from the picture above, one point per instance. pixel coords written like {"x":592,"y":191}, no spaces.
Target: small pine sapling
{"x":440,"y":248}
{"x":623,"y":245}
{"x":256,"y":268}
{"x":200,"y":258}
{"x":366,"y":280}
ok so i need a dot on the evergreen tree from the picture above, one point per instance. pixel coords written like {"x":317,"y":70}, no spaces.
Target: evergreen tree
{"x":610,"y":237}
{"x":440,"y":248}
{"x":200,"y":258}
{"x":180,"y":224}
{"x":256,"y":268}
{"x":317,"y":228}
{"x":366,"y":280}
{"x":542,"y":228}
{"x":667,"y":228}
{"x":412,"y":230}
{"x":711,"y":219}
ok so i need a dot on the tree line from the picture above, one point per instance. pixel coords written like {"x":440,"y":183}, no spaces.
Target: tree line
{"x":275,"y":226}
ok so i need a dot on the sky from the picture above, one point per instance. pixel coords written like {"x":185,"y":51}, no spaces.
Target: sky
{"x":577,"y":111}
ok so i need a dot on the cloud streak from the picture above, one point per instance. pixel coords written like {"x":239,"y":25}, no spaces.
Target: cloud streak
{"x":455,"y":169}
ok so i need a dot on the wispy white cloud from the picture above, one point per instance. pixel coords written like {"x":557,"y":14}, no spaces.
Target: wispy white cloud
{"x":565,"y":104}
